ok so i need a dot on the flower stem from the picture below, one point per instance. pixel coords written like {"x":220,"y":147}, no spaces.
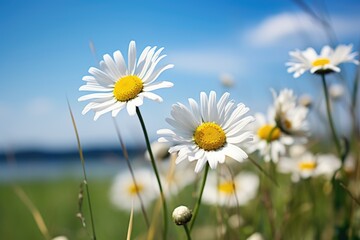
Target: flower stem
{"x":187,"y":232}
{"x":155,"y":170}
{"x":328,"y":110}
{"x":198,"y":203}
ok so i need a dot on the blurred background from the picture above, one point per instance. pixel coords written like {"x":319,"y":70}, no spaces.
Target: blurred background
{"x":46,"y":47}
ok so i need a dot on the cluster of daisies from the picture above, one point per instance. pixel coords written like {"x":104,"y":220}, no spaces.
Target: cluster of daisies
{"x":212,"y":131}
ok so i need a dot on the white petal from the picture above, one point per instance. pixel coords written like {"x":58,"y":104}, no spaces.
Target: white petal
{"x":115,"y":112}
{"x":132,"y":57}
{"x":212,"y":159}
{"x":147,"y":62}
{"x":138,"y":101}
{"x":120,"y":62}
{"x":151,"y":96}
{"x":213,"y":110}
{"x":200,"y":165}
{"x":235,"y":152}
{"x":112,"y":66}
{"x":94,"y":88}
{"x":95,"y":96}
{"x":101,"y":77}
{"x":152,"y":87}
{"x":108,"y":109}
{"x":131,"y":108}
{"x":204,"y":107}
{"x":157,"y":73}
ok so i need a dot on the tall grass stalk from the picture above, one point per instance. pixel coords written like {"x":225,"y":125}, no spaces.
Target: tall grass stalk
{"x":34,"y":211}
{"x":84,"y":172}
{"x":155,"y":171}
{"x":126,"y":156}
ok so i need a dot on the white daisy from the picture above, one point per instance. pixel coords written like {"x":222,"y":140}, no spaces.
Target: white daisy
{"x":336,"y":91}
{"x":326,"y":62}
{"x":306,"y":164}
{"x":208,"y":133}
{"x":290,"y":116}
{"x":118,"y":86}
{"x":231,"y":192}
{"x":269,"y":140}
{"x":124,"y":192}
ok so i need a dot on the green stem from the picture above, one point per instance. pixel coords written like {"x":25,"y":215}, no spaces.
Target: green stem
{"x":84,"y":171}
{"x":328,"y":111}
{"x":187,"y":232}
{"x":155,"y":170}
{"x":198,"y":203}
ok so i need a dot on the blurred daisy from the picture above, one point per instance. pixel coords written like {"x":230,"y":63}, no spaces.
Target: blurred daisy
{"x":269,"y":140}
{"x":290,"y":116}
{"x":159,"y":150}
{"x":336,"y":91}
{"x":176,"y":179}
{"x":227,"y":80}
{"x":118,"y":85}
{"x":208,"y":133}
{"x":305,"y":100}
{"x":325,"y":62}
{"x":305,"y":165}
{"x":124,"y":192}
{"x":225,"y":191}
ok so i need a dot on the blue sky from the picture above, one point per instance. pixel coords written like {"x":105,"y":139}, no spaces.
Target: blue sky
{"x":44,"y":52}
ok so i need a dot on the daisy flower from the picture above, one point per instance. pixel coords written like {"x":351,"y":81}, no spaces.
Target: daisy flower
{"x":209,"y":132}
{"x":269,"y":140}
{"x":290,"y":116}
{"x":325,"y":62}
{"x":302,"y":164}
{"x":225,"y":191}
{"x":117,"y":85}
{"x":124,"y":192}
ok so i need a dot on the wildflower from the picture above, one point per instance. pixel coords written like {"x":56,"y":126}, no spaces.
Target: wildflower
{"x":290,"y":116}
{"x":227,"y":80}
{"x":208,"y":133}
{"x":304,"y":164}
{"x":231,"y":192}
{"x":269,"y":140}
{"x":305,"y":100}
{"x":255,"y":236}
{"x":336,"y":91}
{"x":181,"y":215}
{"x":327,"y":61}
{"x":118,"y":86}
{"x":124,"y":191}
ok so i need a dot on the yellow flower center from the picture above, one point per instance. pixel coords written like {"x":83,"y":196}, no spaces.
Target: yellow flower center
{"x":227,"y":187}
{"x":209,"y":136}
{"x":320,"y":62}
{"x":134,"y":189}
{"x":307,"y":165}
{"x":127,"y":88}
{"x":268,"y":132}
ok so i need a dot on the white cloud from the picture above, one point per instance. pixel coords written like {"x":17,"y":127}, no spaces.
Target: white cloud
{"x":289,"y":26}
{"x":208,"y":61}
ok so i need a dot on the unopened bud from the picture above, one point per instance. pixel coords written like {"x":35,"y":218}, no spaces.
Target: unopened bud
{"x":181,"y":215}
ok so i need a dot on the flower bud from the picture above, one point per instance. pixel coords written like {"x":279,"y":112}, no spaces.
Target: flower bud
{"x":181,"y":215}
